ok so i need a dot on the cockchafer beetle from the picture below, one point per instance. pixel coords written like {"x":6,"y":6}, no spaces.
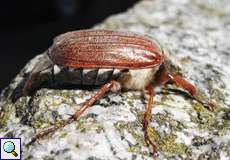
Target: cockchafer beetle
{"x":116,"y":60}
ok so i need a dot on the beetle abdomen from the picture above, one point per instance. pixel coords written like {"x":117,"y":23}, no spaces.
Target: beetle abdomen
{"x":81,"y":76}
{"x":105,"y":49}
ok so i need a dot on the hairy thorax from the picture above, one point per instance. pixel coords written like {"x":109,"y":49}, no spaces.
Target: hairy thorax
{"x":137,"y":79}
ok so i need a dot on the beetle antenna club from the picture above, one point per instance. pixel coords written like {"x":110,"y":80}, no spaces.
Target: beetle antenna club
{"x":118,"y":60}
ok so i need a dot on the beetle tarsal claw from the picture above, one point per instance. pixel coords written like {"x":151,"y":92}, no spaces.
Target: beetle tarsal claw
{"x":150,"y":142}
{"x":209,"y":105}
{"x":45,"y":132}
{"x":154,"y":148}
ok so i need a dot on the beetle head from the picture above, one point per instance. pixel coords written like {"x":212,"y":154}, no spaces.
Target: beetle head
{"x":171,"y":63}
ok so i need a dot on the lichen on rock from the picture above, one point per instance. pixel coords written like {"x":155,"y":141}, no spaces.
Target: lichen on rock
{"x":197,"y":32}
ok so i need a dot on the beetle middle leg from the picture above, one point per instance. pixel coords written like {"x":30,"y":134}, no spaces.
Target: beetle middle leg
{"x":147,"y":118}
{"x":111,"y":86}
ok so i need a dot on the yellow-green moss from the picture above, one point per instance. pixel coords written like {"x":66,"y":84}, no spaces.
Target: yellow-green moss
{"x":4,"y":116}
{"x":30,"y":157}
{"x":211,"y":121}
{"x":162,"y":118}
{"x":63,"y":135}
{"x":168,"y":143}
{"x":164,"y":143}
{"x":80,"y":126}
{"x":120,"y":126}
{"x":198,"y":107}
{"x":217,"y":94}
{"x":205,"y":120}
{"x":89,"y":124}
{"x":165,"y":97}
{"x":67,"y":97}
{"x":130,"y":102}
{"x":100,"y":129}
{"x":222,"y":126}
{"x":134,"y":149}
{"x":47,"y":158}
{"x":63,"y":94}
{"x":39,"y":122}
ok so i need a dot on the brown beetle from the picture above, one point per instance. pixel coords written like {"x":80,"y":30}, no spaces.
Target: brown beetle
{"x":117,"y":60}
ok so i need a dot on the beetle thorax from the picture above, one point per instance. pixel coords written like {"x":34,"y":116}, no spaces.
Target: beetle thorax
{"x":171,"y":63}
{"x":137,"y":79}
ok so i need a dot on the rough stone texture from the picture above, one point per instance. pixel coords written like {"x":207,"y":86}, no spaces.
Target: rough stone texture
{"x":198,"y":32}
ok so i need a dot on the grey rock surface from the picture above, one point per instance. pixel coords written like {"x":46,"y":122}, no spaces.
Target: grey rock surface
{"x":198,"y":32}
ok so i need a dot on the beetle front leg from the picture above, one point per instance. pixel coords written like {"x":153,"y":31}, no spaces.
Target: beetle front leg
{"x":181,"y":82}
{"x":147,"y":119}
{"x":111,"y":86}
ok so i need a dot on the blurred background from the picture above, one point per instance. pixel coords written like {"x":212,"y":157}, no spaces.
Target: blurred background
{"x":28,"y":27}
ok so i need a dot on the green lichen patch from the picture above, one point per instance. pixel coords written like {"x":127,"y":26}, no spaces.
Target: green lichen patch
{"x":47,"y":158}
{"x":42,"y":108}
{"x":41,"y":122}
{"x":63,"y":134}
{"x":134,"y":149}
{"x":61,"y":96}
{"x":80,"y":126}
{"x":198,"y":107}
{"x":131,"y":128}
{"x":129,"y":99}
{"x":217,"y":94}
{"x":166,"y":118}
{"x":165,"y":95}
{"x":205,"y":120}
{"x":24,"y":109}
{"x":29,"y":157}
{"x":199,"y":141}
{"x":161,"y":119}
{"x":100,"y":129}
{"x":223,"y":127}
{"x":5,"y":113}
{"x":211,"y":121}
{"x":84,"y":125}
{"x":209,"y":155}
{"x":165,"y":143}
{"x":168,"y":143}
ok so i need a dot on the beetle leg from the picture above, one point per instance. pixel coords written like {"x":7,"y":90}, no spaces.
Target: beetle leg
{"x":181,"y":82}
{"x":52,"y":74}
{"x":44,"y":64}
{"x":147,"y":118}
{"x":111,"y":86}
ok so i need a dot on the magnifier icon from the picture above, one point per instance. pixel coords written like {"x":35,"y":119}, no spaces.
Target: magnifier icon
{"x":9,"y":147}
